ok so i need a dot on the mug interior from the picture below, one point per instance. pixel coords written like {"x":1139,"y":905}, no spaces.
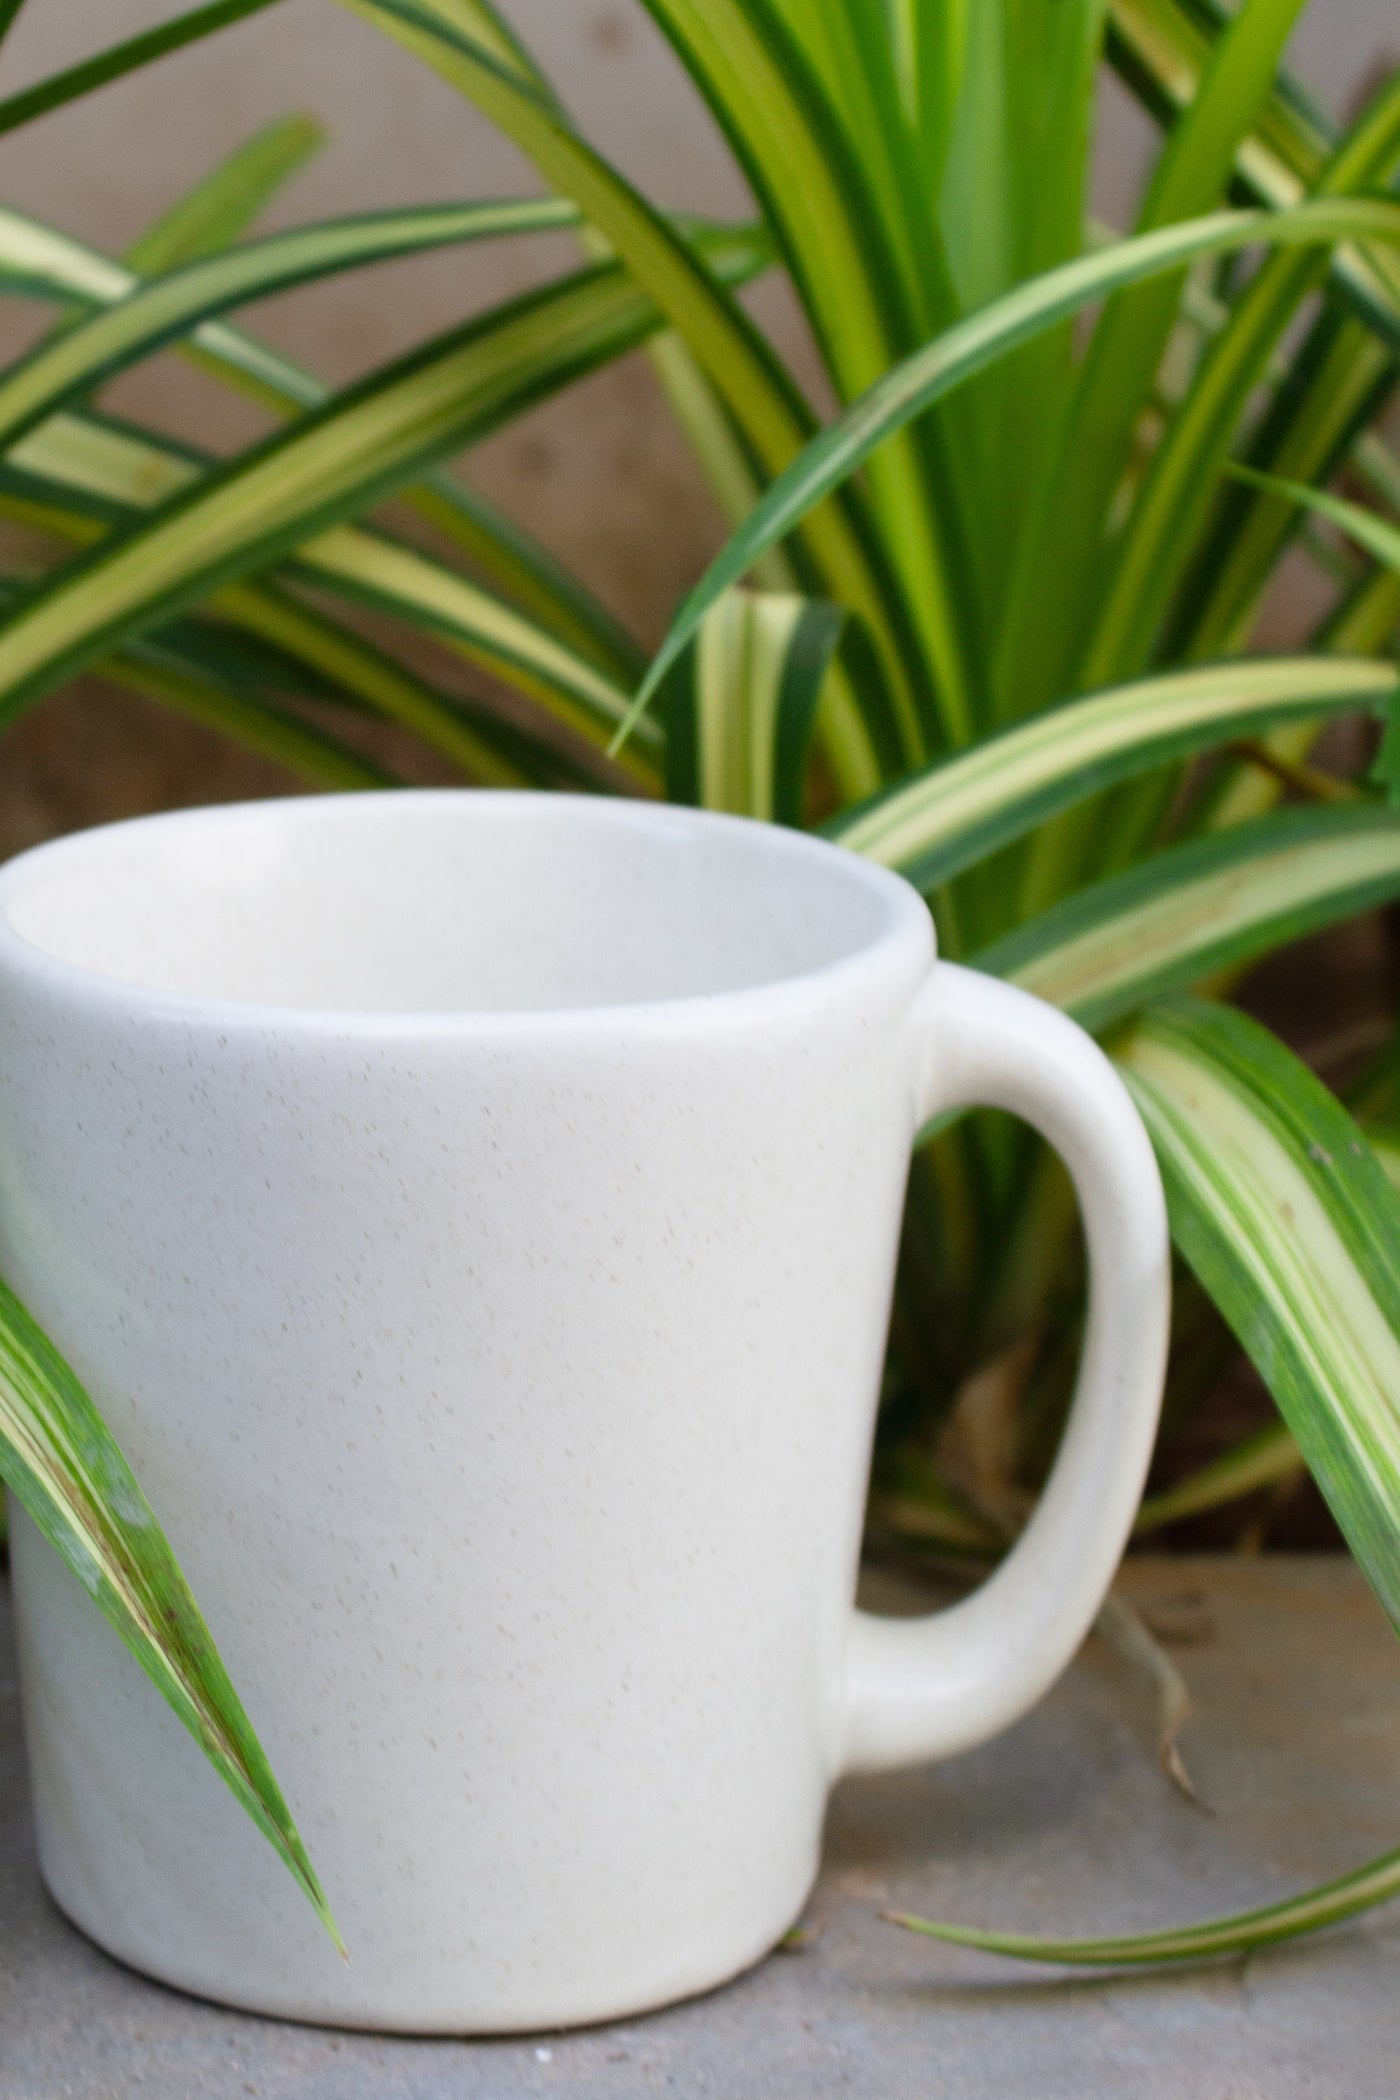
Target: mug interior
{"x":447,"y":902}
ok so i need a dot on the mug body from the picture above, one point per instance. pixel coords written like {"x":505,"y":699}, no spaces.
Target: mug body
{"x":475,"y":1215}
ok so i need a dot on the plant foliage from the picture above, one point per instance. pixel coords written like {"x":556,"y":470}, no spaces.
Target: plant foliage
{"x":1009,"y":620}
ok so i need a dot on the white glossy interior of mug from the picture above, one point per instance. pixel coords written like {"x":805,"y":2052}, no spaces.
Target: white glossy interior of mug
{"x":447,"y":902}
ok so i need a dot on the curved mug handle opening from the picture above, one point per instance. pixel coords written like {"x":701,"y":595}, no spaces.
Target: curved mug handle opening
{"x":928,"y":1687}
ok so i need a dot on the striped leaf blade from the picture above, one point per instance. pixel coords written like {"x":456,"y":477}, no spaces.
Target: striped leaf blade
{"x":1334,"y":388}
{"x":1376,"y":534}
{"x":376,"y":570}
{"x":868,"y":293}
{"x":90,"y":461}
{"x":156,"y":311}
{"x":517,"y":563}
{"x":61,"y":1462}
{"x":236,"y":684}
{"x":249,"y":718}
{"x":36,"y":258}
{"x":743,"y":704}
{"x":754,"y":386}
{"x":1283,"y":1212}
{"x":970,"y":346}
{"x":951,"y":815}
{"x":334,"y":461}
{"x":1381,"y":540}
{"x":1281,"y":1208}
{"x":130,"y":56}
{"x":224,"y":203}
{"x":1116,"y":377}
{"x":1160,"y":48}
{"x":1147,"y":561}
{"x":1211,"y":904}
{"x":1328,"y":1904}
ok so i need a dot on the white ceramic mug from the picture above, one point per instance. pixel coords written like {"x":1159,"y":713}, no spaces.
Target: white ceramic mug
{"x":476,"y":1214}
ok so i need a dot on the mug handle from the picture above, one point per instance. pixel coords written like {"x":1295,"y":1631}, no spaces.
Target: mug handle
{"x":928,"y":1687}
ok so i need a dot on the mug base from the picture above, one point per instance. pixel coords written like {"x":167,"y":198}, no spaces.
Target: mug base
{"x":688,"y":1981}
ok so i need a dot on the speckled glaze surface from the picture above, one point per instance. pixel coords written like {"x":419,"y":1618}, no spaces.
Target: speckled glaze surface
{"x":476,"y":1216}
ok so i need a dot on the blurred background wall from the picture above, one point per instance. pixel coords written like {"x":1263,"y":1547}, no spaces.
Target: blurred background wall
{"x":600,"y":474}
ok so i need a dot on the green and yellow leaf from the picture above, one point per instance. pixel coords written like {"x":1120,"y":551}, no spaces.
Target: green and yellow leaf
{"x":743,"y":704}
{"x":59,"y":1459}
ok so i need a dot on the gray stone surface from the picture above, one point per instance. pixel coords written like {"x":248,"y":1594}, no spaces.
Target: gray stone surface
{"x":1064,"y":1824}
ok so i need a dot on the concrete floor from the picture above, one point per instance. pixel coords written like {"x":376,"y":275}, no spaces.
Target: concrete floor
{"x":1064,"y":1824}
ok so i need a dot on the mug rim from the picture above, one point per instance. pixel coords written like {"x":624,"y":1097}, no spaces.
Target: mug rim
{"x":904,"y":932}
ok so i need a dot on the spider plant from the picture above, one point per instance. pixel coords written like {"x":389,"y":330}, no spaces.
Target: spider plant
{"x":1000,"y":622}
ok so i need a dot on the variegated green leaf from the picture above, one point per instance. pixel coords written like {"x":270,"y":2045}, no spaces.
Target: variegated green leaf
{"x":59,"y":1459}
{"x":34,"y":257}
{"x":235,"y":684}
{"x":757,"y":391}
{"x":1377,"y":1882}
{"x":379,"y":571}
{"x":1094,"y":441}
{"x":118,"y":59}
{"x":1286,"y":1216}
{"x":1162,"y":47}
{"x":223,"y":204}
{"x":951,"y":815}
{"x":743,"y":703}
{"x":972,"y":345}
{"x":1279,"y":1206}
{"x":1334,"y":385}
{"x":1262,"y":1460}
{"x":1148,"y":559}
{"x":1374,"y":533}
{"x":332,"y":655}
{"x":1208,"y":905}
{"x":873,"y":280}
{"x":246,"y":718}
{"x":341,"y":458}
{"x":74,"y":362}
{"x":1381,"y":540}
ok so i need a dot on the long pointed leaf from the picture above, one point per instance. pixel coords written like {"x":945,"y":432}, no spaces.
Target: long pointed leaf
{"x":74,"y":362}
{"x":101,"y":462}
{"x":1375,"y":534}
{"x":1209,"y":905}
{"x":257,"y":724}
{"x":224,"y":203}
{"x":514,"y":560}
{"x":35,"y":257}
{"x":136,"y":53}
{"x":954,"y":814}
{"x":1115,"y":381}
{"x":1282,"y":1211}
{"x":1154,"y":550}
{"x":340,"y":459}
{"x":1288,"y":1219}
{"x":1161,"y":48}
{"x":58,"y":1457}
{"x":1335,"y":389}
{"x":1328,"y":1904}
{"x":744,"y":705}
{"x":1265,"y":1459}
{"x":754,"y":387}
{"x":869,"y":294}
{"x":235,"y":687}
{"x":977,"y":342}
{"x":378,"y":571}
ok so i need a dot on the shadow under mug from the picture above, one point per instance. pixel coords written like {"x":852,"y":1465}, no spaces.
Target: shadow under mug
{"x":475,"y":1214}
